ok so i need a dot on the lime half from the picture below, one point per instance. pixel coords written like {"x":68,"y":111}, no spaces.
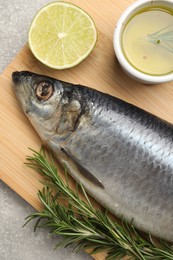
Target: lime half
{"x":62,"y":35}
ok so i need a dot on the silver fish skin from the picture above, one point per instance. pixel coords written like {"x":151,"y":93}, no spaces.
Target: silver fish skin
{"x":122,"y":154}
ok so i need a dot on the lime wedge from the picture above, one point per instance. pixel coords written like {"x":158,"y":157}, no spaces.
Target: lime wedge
{"x":62,"y":35}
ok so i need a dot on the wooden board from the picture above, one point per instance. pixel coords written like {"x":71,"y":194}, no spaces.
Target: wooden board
{"x":100,"y":70}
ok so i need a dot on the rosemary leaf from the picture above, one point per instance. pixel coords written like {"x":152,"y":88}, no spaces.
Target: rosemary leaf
{"x":163,"y":38}
{"x":81,"y":224}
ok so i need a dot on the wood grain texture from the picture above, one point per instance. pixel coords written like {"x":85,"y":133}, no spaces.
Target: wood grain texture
{"x":100,"y":71}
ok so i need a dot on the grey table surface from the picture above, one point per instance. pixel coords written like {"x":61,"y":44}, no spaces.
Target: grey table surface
{"x":17,"y":243}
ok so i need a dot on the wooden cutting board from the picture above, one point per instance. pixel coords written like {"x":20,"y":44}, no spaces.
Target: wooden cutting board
{"x":100,"y":70}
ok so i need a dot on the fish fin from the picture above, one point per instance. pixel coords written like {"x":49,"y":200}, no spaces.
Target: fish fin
{"x":89,"y":176}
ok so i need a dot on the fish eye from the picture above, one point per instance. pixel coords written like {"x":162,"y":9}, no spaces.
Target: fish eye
{"x":44,"y":91}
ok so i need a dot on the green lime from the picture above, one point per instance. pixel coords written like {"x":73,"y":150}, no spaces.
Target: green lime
{"x":62,"y":35}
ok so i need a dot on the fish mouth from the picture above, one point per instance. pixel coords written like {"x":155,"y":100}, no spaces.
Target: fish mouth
{"x":17,"y":76}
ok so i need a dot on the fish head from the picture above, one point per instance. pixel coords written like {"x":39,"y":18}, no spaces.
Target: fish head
{"x":40,"y":97}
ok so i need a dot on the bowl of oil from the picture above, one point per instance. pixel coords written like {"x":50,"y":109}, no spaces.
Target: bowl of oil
{"x":143,"y":41}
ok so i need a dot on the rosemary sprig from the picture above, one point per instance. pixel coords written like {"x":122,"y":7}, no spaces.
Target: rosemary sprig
{"x":163,"y":38}
{"x":83,"y":225}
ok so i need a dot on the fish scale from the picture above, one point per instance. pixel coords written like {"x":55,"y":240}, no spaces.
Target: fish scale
{"x":121,"y":154}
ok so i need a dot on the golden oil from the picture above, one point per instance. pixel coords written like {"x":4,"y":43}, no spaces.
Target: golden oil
{"x":150,"y":55}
